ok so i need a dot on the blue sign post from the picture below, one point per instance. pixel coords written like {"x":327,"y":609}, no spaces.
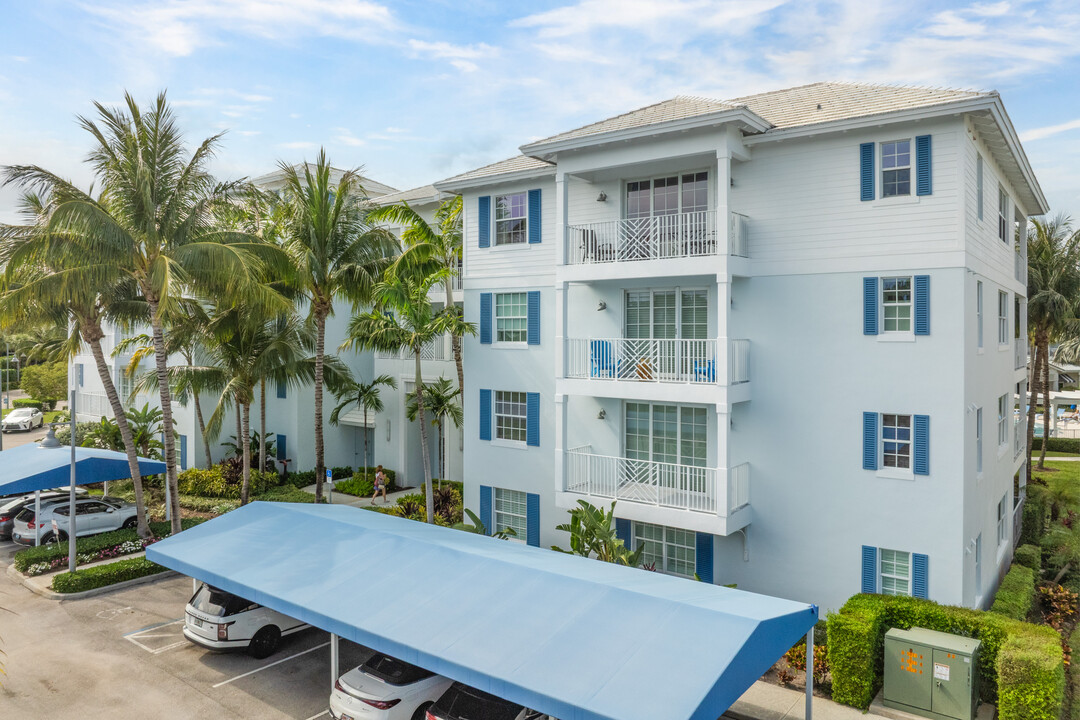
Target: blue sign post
{"x":330,"y":484}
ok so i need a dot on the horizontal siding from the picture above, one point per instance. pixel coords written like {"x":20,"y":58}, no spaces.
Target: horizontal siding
{"x":515,"y":260}
{"x":981,"y":238}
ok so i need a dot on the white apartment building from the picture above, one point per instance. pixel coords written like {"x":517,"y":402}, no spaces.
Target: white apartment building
{"x":781,"y":331}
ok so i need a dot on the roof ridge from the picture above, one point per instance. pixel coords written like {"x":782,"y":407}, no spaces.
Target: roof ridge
{"x":859,"y":84}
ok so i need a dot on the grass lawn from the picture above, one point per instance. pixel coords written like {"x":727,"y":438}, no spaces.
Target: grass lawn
{"x":1068,"y":472}
{"x":1055,"y":453}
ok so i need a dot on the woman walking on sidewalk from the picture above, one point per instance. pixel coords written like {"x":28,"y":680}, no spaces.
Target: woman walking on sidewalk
{"x":380,"y":485}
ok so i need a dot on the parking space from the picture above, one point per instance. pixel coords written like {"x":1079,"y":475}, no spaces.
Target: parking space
{"x":117,"y":655}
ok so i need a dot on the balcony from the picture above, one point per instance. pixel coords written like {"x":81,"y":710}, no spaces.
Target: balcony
{"x":717,"y":500}
{"x":672,"y":361}
{"x":1019,"y":354}
{"x":1018,"y":436}
{"x":1020,"y":267}
{"x":681,"y":235}
{"x":435,"y":350}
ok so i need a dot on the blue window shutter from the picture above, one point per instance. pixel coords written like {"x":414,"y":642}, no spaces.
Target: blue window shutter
{"x":485,"y":509}
{"x":869,"y":569}
{"x":485,"y":414}
{"x":923,"y":174}
{"x":532,"y":419}
{"x":870,"y":305}
{"x":919,"y":568}
{"x":281,"y":389}
{"x":622,"y":531}
{"x":485,"y":318}
{"x":532,"y":519}
{"x":183,"y":452}
{"x":483,"y":220}
{"x":921,"y":464}
{"x":866,"y":171}
{"x":534,"y":217}
{"x":922,"y":304}
{"x":869,"y":440}
{"x":534,"y":317}
{"x":281,"y":448}
{"x":703,"y":557}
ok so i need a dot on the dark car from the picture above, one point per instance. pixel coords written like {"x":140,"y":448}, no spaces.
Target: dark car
{"x":462,"y":702}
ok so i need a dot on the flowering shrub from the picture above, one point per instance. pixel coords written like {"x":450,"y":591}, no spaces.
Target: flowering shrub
{"x":125,"y":548}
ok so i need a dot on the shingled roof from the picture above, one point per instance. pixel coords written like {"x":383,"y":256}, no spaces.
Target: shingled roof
{"x":518,"y":164}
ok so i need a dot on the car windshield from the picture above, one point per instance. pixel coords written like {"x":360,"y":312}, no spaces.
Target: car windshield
{"x":218,"y":603}
{"x":20,"y":413}
{"x":473,"y":704}
{"x":393,"y":671}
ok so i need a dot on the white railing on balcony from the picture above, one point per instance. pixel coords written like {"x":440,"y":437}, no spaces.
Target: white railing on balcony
{"x":92,"y":403}
{"x":691,"y":234}
{"x":1018,"y":437}
{"x":1019,"y":354}
{"x":650,"y":360}
{"x":671,"y":485}
{"x":1020,"y":267}
{"x":738,"y":235}
{"x":1018,"y":515}
{"x":738,"y":362}
{"x":434,"y":350}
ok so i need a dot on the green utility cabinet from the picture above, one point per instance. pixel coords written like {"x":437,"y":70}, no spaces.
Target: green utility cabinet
{"x":931,"y":673}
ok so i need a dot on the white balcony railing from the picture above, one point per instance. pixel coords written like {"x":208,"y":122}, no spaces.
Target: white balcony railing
{"x":435,"y":350}
{"x":1019,"y":354}
{"x":691,"y":234}
{"x":92,"y":403}
{"x":649,"y":360}
{"x":683,"y":487}
{"x":1018,"y":515}
{"x":1018,"y":437}
{"x":1020,"y":269}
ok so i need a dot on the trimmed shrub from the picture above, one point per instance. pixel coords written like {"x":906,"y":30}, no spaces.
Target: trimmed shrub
{"x":856,"y":638}
{"x":287,"y":493}
{"x":224,"y":481}
{"x":301,"y":479}
{"x":1017,"y":593}
{"x":1073,"y":676}
{"x":1036,"y":515}
{"x":1031,"y":675}
{"x":104,"y":575}
{"x":1057,"y":444}
{"x":1029,"y":556}
{"x":92,"y":543}
{"x":357,"y":485}
{"x":218,"y":506}
{"x":28,"y":403}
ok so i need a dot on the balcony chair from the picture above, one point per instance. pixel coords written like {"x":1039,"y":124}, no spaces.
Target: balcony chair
{"x":705,"y":371}
{"x":603,"y":359}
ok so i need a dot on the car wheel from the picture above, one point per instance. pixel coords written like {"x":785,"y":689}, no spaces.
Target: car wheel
{"x":419,"y":714}
{"x":265,"y":642}
{"x":49,"y":539}
{"x":130,"y":523}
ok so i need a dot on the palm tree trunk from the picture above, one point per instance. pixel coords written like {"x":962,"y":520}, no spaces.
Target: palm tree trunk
{"x":429,"y":493}
{"x":121,"y":421}
{"x":1047,"y":408}
{"x":262,"y":425}
{"x":1033,"y":396}
{"x":244,"y":412}
{"x":202,"y":423}
{"x":366,"y":465}
{"x":455,"y":339}
{"x":442,"y":456}
{"x":161,"y":363}
{"x":320,"y":347}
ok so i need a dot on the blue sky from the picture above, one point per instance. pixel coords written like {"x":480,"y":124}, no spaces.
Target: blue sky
{"x":417,"y":91}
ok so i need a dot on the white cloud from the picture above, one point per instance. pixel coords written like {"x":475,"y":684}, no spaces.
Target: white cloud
{"x":449,"y":50}
{"x":465,"y":65}
{"x":249,"y":133}
{"x":1049,"y":131}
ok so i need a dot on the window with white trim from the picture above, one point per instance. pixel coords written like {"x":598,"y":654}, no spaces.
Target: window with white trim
{"x":511,"y":317}
{"x":1002,"y":518}
{"x":895,"y":572}
{"x":511,"y":219}
{"x":896,"y":441}
{"x":510,"y":416}
{"x":979,"y":186}
{"x":1003,"y":318}
{"x":1003,"y":424}
{"x":1003,"y":215}
{"x":670,"y":550}
{"x":978,"y":440}
{"x":510,"y":512}
{"x":125,"y":385}
{"x":896,"y":168}
{"x":979,"y":310}
{"x":896,"y":304}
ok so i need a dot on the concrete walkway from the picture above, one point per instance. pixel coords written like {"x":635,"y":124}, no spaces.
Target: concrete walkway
{"x":766,"y":701}
{"x":340,"y":498}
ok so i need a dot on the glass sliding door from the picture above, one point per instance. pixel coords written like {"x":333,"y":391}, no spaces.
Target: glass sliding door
{"x":666,"y":450}
{"x":656,"y":322}
{"x":667,"y":217}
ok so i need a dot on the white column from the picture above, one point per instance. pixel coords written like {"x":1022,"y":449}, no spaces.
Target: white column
{"x":561,"y":194}
{"x":809,"y":674}
{"x":723,"y":463}
{"x":562,"y":320}
{"x":723,"y":188}
{"x":723,"y":313}
{"x":560,"y":441}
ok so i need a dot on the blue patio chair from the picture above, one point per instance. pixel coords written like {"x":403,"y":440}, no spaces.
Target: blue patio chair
{"x":705,"y":371}
{"x":603,"y":360}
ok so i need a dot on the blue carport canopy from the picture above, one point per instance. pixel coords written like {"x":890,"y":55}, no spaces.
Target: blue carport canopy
{"x":31,"y":467}
{"x":572,"y":637}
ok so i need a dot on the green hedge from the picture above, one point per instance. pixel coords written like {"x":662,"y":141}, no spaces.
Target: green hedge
{"x":1057,"y":444}
{"x":357,"y":485}
{"x":287,"y":493}
{"x":1036,"y":515}
{"x":1016,"y":594}
{"x":1029,"y":556}
{"x":1031,"y":675}
{"x":102,"y":575}
{"x":217,"y":506}
{"x":857,"y":634}
{"x":213,"y":482}
{"x":92,"y":543}
{"x":1073,"y":675}
{"x":27,"y":403}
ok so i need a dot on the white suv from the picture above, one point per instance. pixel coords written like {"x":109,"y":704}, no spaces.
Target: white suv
{"x":22,"y":419}
{"x":385,"y":688}
{"x":93,"y":515}
{"x":218,"y":620}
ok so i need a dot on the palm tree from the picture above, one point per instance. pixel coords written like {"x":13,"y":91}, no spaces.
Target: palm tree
{"x":440,"y":398}
{"x":365,"y":396}
{"x":1053,"y":306}
{"x":430,"y":249}
{"x":403,"y":319}
{"x":153,"y":222}
{"x":68,"y":289}
{"x":336,"y":253}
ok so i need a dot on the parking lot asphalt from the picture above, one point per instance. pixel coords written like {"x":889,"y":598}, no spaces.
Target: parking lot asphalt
{"x":123,"y":655}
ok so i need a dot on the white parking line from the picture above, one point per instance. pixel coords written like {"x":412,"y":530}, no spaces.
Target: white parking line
{"x":277,"y":662}
{"x":324,"y":712}
{"x":148,"y":633}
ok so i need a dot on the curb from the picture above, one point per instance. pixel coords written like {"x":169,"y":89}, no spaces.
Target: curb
{"x":45,"y":592}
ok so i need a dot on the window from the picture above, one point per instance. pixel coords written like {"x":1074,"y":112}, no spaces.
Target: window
{"x":896,"y":168}
{"x":511,"y":317}
{"x":667,"y":195}
{"x":896,"y":441}
{"x":979,"y":310}
{"x":667,"y":433}
{"x":1003,"y":318}
{"x":895,"y":572}
{"x":1003,"y":215}
{"x":1002,"y":515}
{"x":896,"y":304}
{"x":979,"y":186}
{"x":670,"y":550}
{"x":1003,"y":426}
{"x":978,"y":440}
{"x":511,"y":223}
{"x":125,"y":384}
{"x":510,"y":418}
{"x":510,"y":512}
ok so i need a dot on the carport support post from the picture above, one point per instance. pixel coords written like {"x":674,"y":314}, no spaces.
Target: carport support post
{"x":333,"y":660}
{"x":37,"y":517}
{"x":71,"y":494}
{"x":809,"y":673}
